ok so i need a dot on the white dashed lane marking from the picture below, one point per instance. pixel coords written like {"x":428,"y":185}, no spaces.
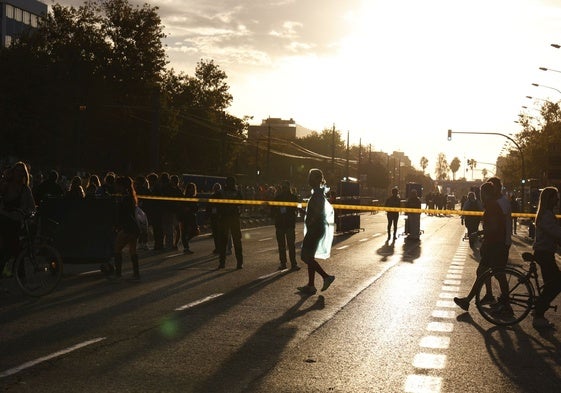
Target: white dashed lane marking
{"x":438,"y":340}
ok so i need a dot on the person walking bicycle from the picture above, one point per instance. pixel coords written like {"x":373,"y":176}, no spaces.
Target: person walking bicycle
{"x":493,"y":246}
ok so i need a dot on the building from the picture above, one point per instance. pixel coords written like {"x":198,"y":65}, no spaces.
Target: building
{"x":277,"y":128}
{"x":18,"y":15}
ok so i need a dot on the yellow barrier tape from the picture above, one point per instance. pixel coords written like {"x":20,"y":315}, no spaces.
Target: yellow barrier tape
{"x":362,"y":208}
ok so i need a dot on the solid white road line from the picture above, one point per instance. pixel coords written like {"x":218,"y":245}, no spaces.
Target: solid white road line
{"x":49,"y":357}
{"x":200,"y":301}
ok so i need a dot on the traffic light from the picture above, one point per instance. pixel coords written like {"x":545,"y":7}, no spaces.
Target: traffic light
{"x":449,"y":135}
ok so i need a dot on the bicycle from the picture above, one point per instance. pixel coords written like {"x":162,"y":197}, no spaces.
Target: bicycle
{"x":37,"y":266}
{"x":523,"y":290}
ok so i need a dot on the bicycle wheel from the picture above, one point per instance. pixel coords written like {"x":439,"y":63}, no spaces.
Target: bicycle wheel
{"x":500,"y":308}
{"x":38,"y":270}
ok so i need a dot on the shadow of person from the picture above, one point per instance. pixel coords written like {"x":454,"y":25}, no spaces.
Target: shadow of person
{"x":514,"y":351}
{"x":386,"y":250}
{"x":260,"y":352}
{"x":411,"y":251}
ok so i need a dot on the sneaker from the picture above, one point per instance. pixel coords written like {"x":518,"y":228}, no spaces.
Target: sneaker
{"x":327,"y":282}
{"x":282,"y":267}
{"x":541,"y":323}
{"x":462,"y":302}
{"x":187,"y":251}
{"x":487,"y":299}
{"x":294,"y":268}
{"x":308,"y":289}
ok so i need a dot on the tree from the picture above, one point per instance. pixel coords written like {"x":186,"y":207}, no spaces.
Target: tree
{"x":95,"y":69}
{"x":442,"y":168}
{"x":471,"y":164}
{"x":484,"y":173}
{"x":202,"y":136}
{"x":424,"y":163}
{"x":454,"y":166}
{"x":102,"y":98}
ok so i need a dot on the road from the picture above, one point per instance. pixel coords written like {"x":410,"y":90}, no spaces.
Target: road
{"x":387,"y":324}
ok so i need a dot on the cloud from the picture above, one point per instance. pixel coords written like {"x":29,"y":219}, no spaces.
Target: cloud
{"x":272,"y":29}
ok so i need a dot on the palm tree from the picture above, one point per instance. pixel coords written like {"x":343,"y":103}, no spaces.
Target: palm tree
{"x":471,"y":164}
{"x":424,"y":163}
{"x":454,"y":166}
{"x":442,"y":167}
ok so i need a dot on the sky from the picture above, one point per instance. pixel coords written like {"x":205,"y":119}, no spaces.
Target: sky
{"x":394,"y":74}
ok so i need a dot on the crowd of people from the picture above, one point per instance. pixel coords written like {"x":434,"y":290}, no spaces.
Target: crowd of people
{"x":155,"y":200}
{"x":175,"y":220}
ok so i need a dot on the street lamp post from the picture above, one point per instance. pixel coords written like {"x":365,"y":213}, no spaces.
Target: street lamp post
{"x":547,"y":87}
{"x":549,"y":69}
{"x":450,"y":132}
{"x":537,"y":98}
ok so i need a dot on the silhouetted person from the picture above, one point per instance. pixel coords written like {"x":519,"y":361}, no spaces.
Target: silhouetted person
{"x":318,"y":227}
{"x":49,"y":188}
{"x":393,"y":201}
{"x":285,"y":226}
{"x":229,"y":222}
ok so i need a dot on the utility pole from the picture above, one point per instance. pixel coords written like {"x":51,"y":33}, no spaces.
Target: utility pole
{"x":348,"y":152}
{"x":269,"y":149}
{"x":359,"y":158}
{"x":333,"y":153}
{"x":155,"y":131}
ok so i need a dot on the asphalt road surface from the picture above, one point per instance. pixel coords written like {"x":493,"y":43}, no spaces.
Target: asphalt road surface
{"x":387,"y":324}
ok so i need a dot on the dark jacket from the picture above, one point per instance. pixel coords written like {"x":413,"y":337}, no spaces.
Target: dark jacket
{"x":284,"y":216}
{"x":229,"y":209}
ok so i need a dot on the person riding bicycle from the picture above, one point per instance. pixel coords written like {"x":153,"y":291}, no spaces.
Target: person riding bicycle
{"x":15,"y":202}
{"x":493,"y":244}
{"x":548,"y":236}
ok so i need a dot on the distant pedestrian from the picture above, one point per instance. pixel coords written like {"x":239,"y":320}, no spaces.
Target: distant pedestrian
{"x":515,"y":208}
{"x":471,"y":222}
{"x":393,"y":216}
{"x":75,"y":190}
{"x":285,"y":226}
{"x":142,"y":189}
{"x":548,"y":238}
{"x":154,"y":209}
{"x":108,"y":186}
{"x":49,"y":188}
{"x":128,"y":229}
{"x":92,"y":185}
{"x":229,"y":222}
{"x":187,"y":215}
{"x":318,"y":229}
